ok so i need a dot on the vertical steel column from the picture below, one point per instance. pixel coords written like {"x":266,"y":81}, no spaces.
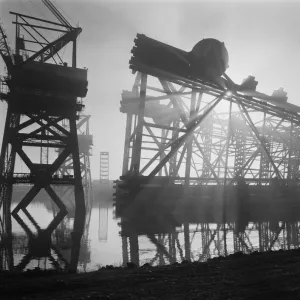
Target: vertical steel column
{"x":227,"y":144}
{"x":293,"y":159}
{"x":225,"y":238}
{"x":189,"y":142}
{"x":260,"y":237}
{"x":239,"y":155}
{"x":126,"y":153}
{"x":74,"y":56}
{"x":125,"y":250}
{"x":134,"y":248}
{"x":189,"y":152}
{"x":187,"y":243}
{"x":288,"y":235}
{"x":161,"y":146}
{"x":172,"y":246}
{"x":160,"y":240}
{"x":136,"y":157}
{"x":17,"y":44}
{"x":7,"y":165}
{"x":207,"y":139}
{"x":264,"y":160}
{"x":224,"y":202}
{"x":80,"y":209}
{"x":173,"y":160}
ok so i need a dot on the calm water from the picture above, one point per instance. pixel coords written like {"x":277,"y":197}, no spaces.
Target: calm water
{"x":103,"y":244}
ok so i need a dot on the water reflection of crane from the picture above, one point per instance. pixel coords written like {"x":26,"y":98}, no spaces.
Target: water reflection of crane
{"x":52,"y":247}
{"x":204,"y":241}
{"x":85,"y":141}
{"x":40,"y":244}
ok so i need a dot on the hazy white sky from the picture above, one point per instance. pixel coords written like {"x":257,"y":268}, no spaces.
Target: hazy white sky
{"x":262,"y":38}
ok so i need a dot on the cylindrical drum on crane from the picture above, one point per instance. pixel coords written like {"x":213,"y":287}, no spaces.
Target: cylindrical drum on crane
{"x":208,"y":59}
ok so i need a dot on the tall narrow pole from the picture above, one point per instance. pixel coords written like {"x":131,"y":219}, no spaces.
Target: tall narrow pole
{"x":290,"y":174}
{"x":227,"y":144}
{"x":225,"y":177}
{"x":190,"y":141}
{"x":187,"y":244}
{"x":74,"y":56}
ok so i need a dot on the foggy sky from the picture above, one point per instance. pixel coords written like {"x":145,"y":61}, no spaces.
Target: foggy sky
{"x":262,"y":38}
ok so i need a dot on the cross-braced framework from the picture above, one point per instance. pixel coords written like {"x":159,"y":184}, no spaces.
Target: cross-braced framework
{"x":66,"y":193}
{"x":189,"y":122}
{"x":40,"y":245}
{"x":199,"y":242}
{"x":41,"y":98}
{"x":44,"y":248}
{"x":85,"y":142}
{"x":197,"y":135}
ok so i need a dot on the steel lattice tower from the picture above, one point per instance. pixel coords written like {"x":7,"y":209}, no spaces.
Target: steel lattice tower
{"x":104,"y":167}
{"x":41,"y":99}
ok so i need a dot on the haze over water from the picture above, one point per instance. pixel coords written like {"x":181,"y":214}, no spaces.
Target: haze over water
{"x":103,"y":244}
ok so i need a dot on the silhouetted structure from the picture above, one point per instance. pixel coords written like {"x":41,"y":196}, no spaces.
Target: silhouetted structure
{"x":41,"y":96}
{"x":198,"y":242}
{"x":188,"y":123}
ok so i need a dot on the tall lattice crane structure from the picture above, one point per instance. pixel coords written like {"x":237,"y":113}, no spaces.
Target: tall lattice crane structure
{"x":41,"y":96}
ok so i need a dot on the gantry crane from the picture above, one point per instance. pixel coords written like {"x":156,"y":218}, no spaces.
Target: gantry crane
{"x":41,"y":95}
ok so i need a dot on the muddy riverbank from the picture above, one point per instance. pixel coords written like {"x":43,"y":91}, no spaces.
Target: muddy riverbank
{"x":270,"y":275}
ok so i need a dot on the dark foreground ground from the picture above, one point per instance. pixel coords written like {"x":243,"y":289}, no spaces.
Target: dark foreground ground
{"x":270,"y":275}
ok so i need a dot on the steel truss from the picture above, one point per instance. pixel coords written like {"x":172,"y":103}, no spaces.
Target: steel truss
{"x":199,"y":135}
{"x":85,"y":142}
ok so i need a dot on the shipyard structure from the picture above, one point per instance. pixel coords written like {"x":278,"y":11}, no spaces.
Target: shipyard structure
{"x":199,"y":144}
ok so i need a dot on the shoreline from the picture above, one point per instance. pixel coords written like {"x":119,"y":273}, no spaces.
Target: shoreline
{"x":258,"y":275}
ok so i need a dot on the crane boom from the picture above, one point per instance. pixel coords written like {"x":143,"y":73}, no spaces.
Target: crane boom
{"x":5,"y":51}
{"x":57,"y":14}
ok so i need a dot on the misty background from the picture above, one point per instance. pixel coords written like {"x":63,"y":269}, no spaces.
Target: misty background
{"x":262,"y":38}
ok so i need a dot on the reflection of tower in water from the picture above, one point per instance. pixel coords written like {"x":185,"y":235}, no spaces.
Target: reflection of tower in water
{"x":103,"y":203}
{"x":203,"y":241}
{"x":85,"y":141}
{"x":57,"y":238}
{"x":103,"y":221}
